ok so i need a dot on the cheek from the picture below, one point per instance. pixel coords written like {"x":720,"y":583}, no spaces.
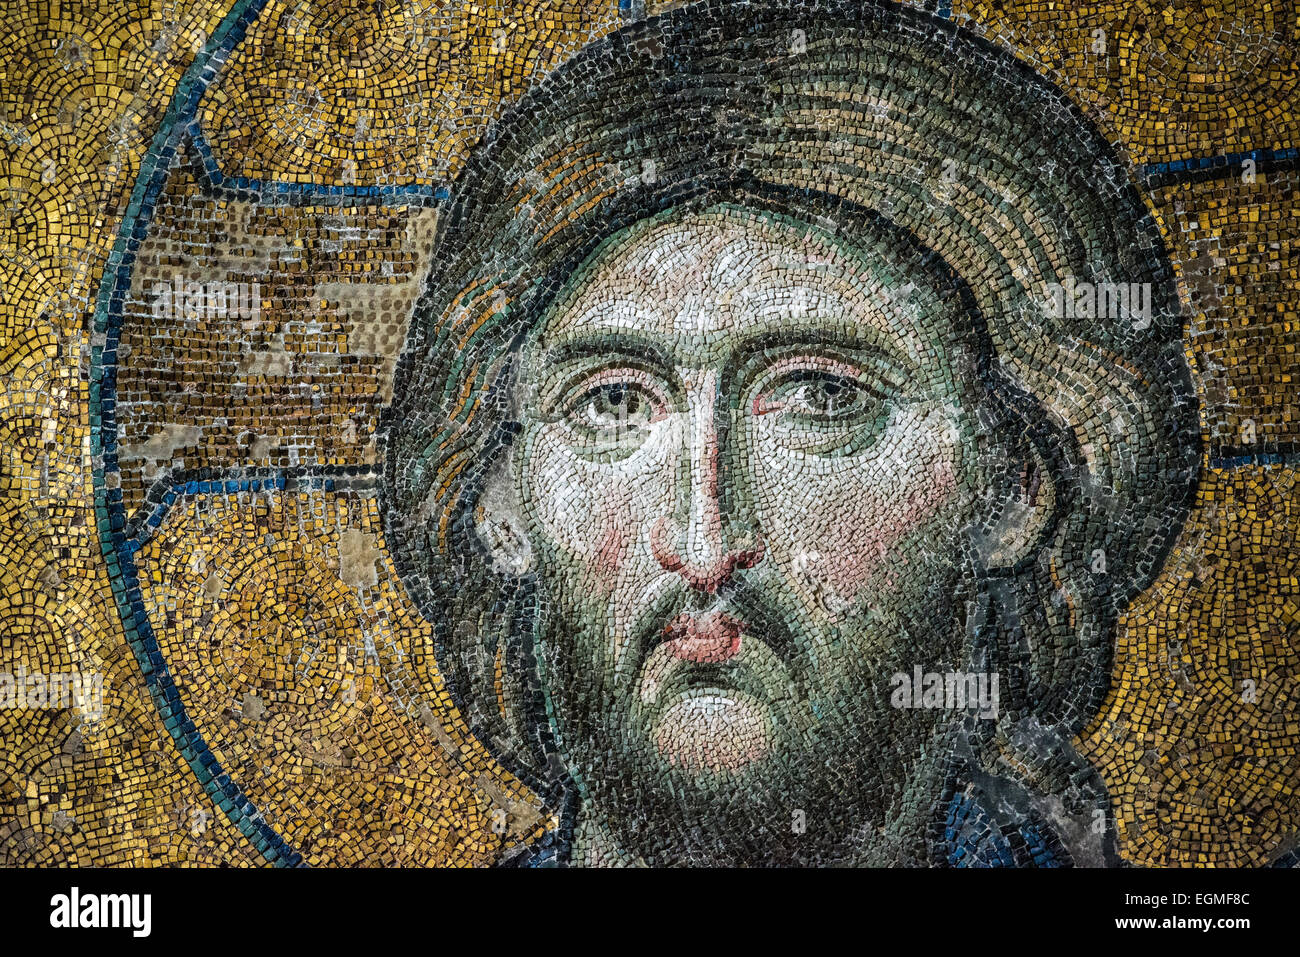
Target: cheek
{"x":863,"y":541}
{"x":591,"y":516}
{"x":847,"y":523}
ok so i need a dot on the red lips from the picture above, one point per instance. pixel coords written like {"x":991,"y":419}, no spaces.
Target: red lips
{"x":707,"y":638}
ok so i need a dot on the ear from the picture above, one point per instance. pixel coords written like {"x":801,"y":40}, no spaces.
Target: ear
{"x":1019,"y":507}
{"x":498,"y":522}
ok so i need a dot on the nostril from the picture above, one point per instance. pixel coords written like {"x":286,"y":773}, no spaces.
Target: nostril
{"x":751,"y":554}
{"x":703,"y":576}
{"x":662,"y":548}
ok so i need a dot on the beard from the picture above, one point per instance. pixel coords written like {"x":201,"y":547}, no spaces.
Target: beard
{"x":789,"y":754}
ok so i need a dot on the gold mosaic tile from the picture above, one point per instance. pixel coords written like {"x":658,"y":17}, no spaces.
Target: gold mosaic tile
{"x":1234,"y":241}
{"x":1198,"y":739}
{"x":268,"y":328}
{"x":1174,"y":81}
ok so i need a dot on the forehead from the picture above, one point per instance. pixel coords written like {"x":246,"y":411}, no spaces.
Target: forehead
{"x":730,"y":273}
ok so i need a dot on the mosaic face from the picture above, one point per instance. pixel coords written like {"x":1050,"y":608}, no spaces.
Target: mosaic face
{"x":764,"y":513}
{"x":748,"y":476}
{"x":853,"y":432}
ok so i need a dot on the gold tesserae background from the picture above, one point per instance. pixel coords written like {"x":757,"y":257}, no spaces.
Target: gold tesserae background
{"x":278,"y":610}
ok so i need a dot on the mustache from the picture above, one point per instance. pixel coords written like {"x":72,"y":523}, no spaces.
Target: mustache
{"x":763,"y":615}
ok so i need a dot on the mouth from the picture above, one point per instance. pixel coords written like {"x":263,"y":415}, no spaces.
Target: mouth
{"x":703,"y":638}
{"x":700,"y":650}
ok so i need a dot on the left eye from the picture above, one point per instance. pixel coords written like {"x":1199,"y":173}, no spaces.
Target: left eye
{"x":816,"y":397}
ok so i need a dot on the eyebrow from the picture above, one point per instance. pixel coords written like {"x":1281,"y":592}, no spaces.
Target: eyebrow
{"x":610,"y":343}
{"x":868,"y":347}
{"x":606,"y":343}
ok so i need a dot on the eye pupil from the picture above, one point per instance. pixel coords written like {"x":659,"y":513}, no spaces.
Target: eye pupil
{"x":617,"y":401}
{"x":827,"y":396}
{"x":616,"y":407}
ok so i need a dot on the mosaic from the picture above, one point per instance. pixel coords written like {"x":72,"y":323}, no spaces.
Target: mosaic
{"x":593,"y":433}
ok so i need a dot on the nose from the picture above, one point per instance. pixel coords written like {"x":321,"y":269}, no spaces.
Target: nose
{"x":701,"y":552}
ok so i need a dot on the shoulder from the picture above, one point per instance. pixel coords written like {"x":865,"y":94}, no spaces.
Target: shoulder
{"x":973,"y":836}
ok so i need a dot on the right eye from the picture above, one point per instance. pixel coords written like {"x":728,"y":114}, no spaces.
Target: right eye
{"x":614,"y":410}
{"x":618,"y":405}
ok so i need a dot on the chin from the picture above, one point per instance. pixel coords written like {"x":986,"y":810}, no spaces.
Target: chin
{"x":718,"y":731}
